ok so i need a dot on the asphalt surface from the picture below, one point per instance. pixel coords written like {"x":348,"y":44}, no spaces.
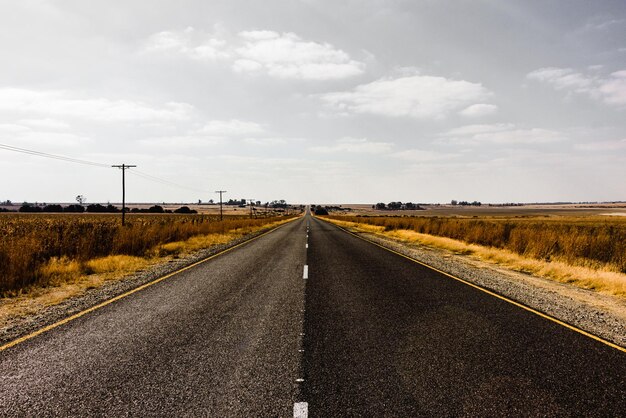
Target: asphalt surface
{"x":367,"y":333}
{"x":221,"y":339}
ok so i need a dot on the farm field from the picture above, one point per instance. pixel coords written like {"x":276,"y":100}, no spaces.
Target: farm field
{"x":570,"y":209}
{"x":48,"y":249}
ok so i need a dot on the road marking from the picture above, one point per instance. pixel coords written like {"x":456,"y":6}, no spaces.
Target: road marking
{"x":489,"y":292}
{"x":306,"y":245}
{"x":305,"y":273}
{"x":300,"y":410}
{"x":130,"y":292}
{"x":300,"y":380}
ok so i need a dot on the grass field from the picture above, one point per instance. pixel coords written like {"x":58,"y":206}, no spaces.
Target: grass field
{"x":46,"y":249}
{"x":589,"y":251}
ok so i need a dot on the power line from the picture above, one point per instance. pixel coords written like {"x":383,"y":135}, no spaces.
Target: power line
{"x":85,"y":162}
{"x":53,"y":156}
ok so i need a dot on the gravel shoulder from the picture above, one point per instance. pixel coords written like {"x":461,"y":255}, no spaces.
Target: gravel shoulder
{"x":599,"y":314}
{"x":19,"y":326}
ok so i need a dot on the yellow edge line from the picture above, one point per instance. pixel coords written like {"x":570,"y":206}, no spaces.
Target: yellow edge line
{"x":130,"y":292}
{"x":504,"y":298}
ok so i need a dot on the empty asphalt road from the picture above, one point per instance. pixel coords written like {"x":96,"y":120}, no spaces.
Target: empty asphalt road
{"x":311,"y":319}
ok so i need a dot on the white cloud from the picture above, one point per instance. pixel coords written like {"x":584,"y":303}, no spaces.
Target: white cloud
{"x":611,"y":90}
{"x":271,"y":141}
{"x":415,"y":96}
{"x":46,"y":123}
{"x":479,"y":129}
{"x":500,"y":133}
{"x":178,"y":143}
{"x":280,"y":55}
{"x":478,"y":110}
{"x":614,"y":89}
{"x":264,"y":141}
{"x":422,"y":156}
{"x":12,"y":128}
{"x":603,"y":145}
{"x":22,"y":135}
{"x":356,"y":146}
{"x":286,"y":55}
{"x":189,"y":42}
{"x":603,"y":24}
{"x":246,"y":66}
{"x":562,"y":79}
{"x":233,"y":127}
{"x":56,"y":103}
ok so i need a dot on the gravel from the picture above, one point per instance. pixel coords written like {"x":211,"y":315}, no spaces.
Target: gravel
{"x":23,"y":325}
{"x":599,"y":314}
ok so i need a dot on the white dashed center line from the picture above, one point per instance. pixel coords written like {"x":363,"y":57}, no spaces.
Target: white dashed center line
{"x":305,"y":273}
{"x":300,"y":410}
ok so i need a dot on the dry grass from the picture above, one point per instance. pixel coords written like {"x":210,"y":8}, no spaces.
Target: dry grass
{"x":594,"y":242}
{"x":593,"y":275}
{"x":43,"y":250}
{"x":62,"y":277}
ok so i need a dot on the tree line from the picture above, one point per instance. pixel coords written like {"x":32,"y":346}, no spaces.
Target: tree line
{"x":397,"y":206}
{"x":98,"y":208}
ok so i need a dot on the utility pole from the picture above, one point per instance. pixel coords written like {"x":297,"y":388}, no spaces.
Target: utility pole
{"x":251,"y":202}
{"x":124,"y":167}
{"x":221,"y":192}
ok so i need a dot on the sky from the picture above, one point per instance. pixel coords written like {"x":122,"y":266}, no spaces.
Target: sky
{"x":314,"y":101}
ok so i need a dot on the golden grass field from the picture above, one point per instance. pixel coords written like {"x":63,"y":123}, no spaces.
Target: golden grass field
{"x":50,"y":249}
{"x":589,"y":251}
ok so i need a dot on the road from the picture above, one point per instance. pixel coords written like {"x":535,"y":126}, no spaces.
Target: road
{"x":311,"y":318}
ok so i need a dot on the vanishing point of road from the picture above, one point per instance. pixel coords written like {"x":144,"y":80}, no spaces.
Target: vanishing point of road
{"x":309,"y":319}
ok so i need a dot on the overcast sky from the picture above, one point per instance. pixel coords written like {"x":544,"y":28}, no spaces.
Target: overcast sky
{"x":315,"y":100}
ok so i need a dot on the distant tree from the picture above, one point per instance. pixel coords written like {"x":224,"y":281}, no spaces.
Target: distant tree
{"x":96,"y":208}
{"x":381,"y":206}
{"x":321,"y":211}
{"x":454,"y":202}
{"x":394,"y":205}
{"x":53,"y":208}
{"x":28,"y":208}
{"x":185,"y":210}
{"x":81,"y":199}
{"x":409,"y":205}
{"x":74,"y":209}
{"x":156,"y":209}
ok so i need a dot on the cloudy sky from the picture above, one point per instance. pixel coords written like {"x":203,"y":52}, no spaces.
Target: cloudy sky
{"x":315,"y":100}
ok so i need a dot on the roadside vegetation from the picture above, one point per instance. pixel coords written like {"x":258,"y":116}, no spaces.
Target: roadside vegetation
{"x":38,"y":250}
{"x":587,"y":251}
